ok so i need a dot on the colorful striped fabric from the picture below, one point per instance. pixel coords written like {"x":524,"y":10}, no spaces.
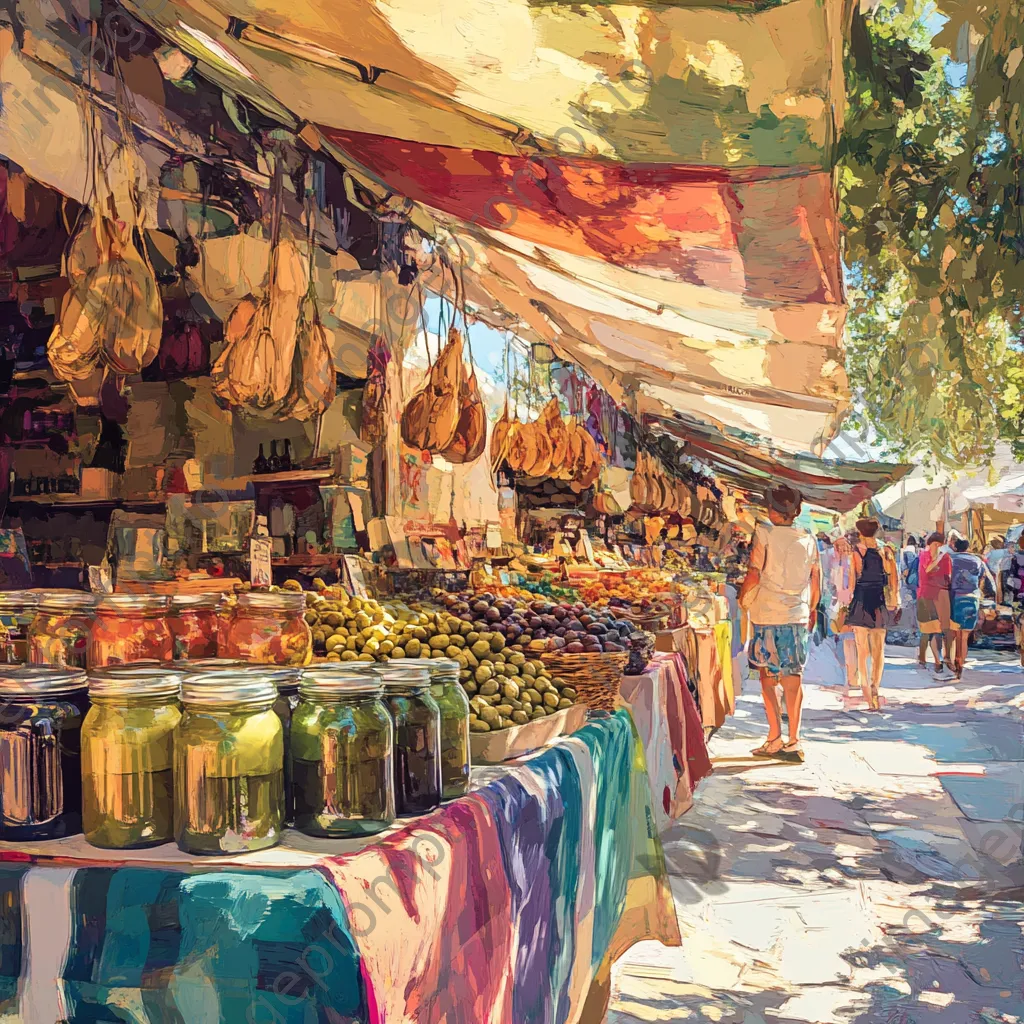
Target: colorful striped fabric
{"x":501,"y":908}
{"x":669,"y":724}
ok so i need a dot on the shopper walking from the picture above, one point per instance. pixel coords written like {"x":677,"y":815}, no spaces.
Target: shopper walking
{"x":1013,"y":591}
{"x":875,"y":598}
{"x":909,"y":560}
{"x":842,"y":589}
{"x":781,"y":592}
{"x":965,"y":587}
{"x":934,"y":570}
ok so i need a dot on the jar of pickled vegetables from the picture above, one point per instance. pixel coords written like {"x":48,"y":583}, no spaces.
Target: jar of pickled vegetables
{"x":417,"y":721}
{"x":59,"y":634}
{"x":269,"y":627}
{"x":453,"y":703}
{"x":17,"y":609}
{"x":193,"y":622}
{"x":41,"y":713}
{"x":342,"y":753}
{"x":129,"y":628}
{"x":228,"y":764}
{"x":128,"y":757}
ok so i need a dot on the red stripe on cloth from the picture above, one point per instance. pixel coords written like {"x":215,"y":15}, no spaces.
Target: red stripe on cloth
{"x":696,"y":746}
{"x":766,"y":233}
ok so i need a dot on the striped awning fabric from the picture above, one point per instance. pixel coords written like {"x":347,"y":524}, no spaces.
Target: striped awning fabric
{"x":646,"y":187}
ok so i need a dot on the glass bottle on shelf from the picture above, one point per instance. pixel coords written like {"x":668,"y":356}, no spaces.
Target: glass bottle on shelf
{"x":274,"y":462}
{"x":260,"y":465}
{"x":286,"y":457}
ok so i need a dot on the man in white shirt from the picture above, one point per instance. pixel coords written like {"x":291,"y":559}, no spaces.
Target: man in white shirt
{"x":781,"y":592}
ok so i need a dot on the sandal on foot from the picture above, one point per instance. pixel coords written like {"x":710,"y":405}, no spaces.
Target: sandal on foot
{"x":770,"y":748}
{"x":791,"y":752}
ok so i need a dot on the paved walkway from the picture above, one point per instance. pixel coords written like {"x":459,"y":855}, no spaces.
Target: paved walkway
{"x":880,"y":881}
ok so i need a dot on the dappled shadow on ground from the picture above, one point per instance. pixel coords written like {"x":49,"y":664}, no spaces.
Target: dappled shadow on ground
{"x":925,"y":977}
{"x":855,"y":887}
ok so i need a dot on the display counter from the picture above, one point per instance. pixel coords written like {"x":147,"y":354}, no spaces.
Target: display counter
{"x":506,"y":906}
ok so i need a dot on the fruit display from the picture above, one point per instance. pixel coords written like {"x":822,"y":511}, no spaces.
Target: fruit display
{"x":496,"y":640}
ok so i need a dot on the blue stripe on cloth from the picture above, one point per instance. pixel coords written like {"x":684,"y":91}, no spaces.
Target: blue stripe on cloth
{"x":539,"y":836}
{"x":226,"y":947}
{"x":623,"y":810}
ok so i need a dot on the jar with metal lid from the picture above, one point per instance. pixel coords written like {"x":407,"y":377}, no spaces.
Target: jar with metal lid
{"x":59,"y":634}
{"x":269,"y":627}
{"x":41,"y":713}
{"x":342,"y":753}
{"x":17,"y":609}
{"x":129,"y":628}
{"x":193,"y":622}
{"x":417,"y":721}
{"x":287,"y":682}
{"x":228,"y":764}
{"x":453,"y":703}
{"x":128,"y":756}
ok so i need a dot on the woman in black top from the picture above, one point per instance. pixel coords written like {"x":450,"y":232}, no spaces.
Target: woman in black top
{"x":868,"y":614}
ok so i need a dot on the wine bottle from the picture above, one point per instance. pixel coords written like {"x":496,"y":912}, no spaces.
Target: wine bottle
{"x":286,"y":458}
{"x":260,"y":465}
{"x":274,"y":462}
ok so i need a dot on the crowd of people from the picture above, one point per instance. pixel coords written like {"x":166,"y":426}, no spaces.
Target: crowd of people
{"x":852,"y":588}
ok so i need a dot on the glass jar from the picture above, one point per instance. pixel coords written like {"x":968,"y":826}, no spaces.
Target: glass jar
{"x":453,"y":703}
{"x":193,"y":622}
{"x":342,"y":754}
{"x":128,"y":757}
{"x":269,"y":627}
{"x":228,"y":764}
{"x":287,"y":682}
{"x":129,"y":628}
{"x":417,"y":721}
{"x":17,"y":609}
{"x":41,"y":713}
{"x":59,"y":634}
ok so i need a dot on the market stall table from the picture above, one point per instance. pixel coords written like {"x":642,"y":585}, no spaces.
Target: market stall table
{"x":669,"y":725}
{"x":507,"y":905}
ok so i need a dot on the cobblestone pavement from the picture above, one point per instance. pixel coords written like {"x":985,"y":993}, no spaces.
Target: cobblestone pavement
{"x":882,"y":880}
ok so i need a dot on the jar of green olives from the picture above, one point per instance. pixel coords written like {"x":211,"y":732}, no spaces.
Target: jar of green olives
{"x":453,"y":704}
{"x":342,"y":752}
{"x":128,"y":757}
{"x":417,"y":721}
{"x":228,"y":764}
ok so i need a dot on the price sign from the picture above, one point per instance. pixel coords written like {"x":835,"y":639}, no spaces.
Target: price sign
{"x":354,"y":577}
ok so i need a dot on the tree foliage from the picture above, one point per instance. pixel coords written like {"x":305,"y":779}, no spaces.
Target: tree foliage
{"x":932,"y":200}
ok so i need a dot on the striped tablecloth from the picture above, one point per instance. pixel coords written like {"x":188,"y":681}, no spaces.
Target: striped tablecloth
{"x":505,"y":907}
{"x":669,"y":725}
